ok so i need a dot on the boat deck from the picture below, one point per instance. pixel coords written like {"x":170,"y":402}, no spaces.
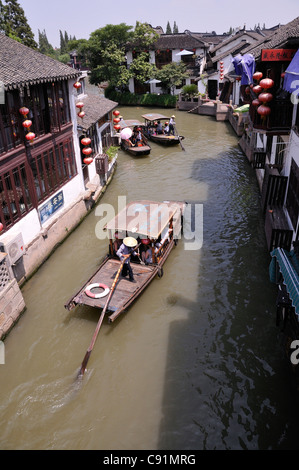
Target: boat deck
{"x":125,"y":291}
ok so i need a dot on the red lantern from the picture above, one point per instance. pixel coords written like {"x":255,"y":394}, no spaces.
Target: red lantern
{"x":266,"y":83}
{"x":257,"y":89}
{"x":30,"y":136}
{"x":87,"y":151}
{"x":27,"y":124}
{"x":116,"y":120}
{"x":264,"y":110}
{"x":257,"y":76}
{"x":265,"y":97}
{"x":77,"y":85}
{"x":116,"y":113}
{"x":86,"y":141}
{"x":88,"y":160}
{"x":24,"y":111}
{"x":80,"y":105}
{"x":81,"y":114}
{"x":1,"y":227}
{"x":255,"y":102}
{"x":117,"y":127}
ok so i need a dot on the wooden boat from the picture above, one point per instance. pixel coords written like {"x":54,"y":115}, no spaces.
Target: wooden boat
{"x":127,"y":145}
{"x":154,"y":221}
{"x":150,"y":130}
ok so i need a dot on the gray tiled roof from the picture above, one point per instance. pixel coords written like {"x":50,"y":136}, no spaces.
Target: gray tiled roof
{"x":95,"y":107}
{"x":20,"y":65}
{"x":280,"y":37}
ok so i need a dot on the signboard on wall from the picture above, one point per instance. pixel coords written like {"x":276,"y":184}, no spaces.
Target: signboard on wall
{"x":52,"y":206}
{"x":270,"y":55}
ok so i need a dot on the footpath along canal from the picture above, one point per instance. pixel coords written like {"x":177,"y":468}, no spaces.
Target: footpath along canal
{"x":196,"y":362}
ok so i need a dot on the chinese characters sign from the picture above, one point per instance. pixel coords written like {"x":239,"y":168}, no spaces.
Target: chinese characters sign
{"x":278,"y":54}
{"x":51,"y":207}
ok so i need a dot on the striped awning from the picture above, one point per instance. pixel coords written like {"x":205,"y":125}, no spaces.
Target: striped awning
{"x":288,"y":266}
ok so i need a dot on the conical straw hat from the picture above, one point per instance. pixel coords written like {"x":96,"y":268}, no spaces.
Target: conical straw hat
{"x":130,"y":242}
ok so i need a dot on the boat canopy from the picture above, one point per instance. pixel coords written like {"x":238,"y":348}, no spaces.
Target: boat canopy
{"x":144,"y":218}
{"x":154,"y":117}
{"x":130,"y":123}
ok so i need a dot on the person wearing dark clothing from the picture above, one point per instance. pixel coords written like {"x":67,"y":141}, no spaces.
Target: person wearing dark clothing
{"x":127,"y":248}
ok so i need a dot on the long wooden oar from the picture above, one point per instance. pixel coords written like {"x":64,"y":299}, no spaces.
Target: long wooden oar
{"x":179,"y":138}
{"x":89,"y":350}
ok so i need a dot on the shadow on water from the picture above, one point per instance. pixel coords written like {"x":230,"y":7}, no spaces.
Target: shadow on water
{"x":225,"y":376}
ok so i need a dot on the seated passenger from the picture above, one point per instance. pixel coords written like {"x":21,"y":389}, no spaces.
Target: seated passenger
{"x":159,"y":128}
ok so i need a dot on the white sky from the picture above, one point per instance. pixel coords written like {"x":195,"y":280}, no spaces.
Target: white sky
{"x":81,"y":17}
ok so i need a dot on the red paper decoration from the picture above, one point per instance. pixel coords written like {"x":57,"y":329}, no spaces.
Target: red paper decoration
{"x":255,"y":102}
{"x":87,"y":151}
{"x":264,"y":110}
{"x":80,"y":105}
{"x":86,"y":141}
{"x":117,"y":127}
{"x":30,"y":136}
{"x":24,"y":111}
{"x":77,"y":85}
{"x":265,"y":97}
{"x":257,"y":89}
{"x":81,"y":114}
{"x":27,"y":124}
{"x":257,"y":76}
{"x":266,"y":83}
{"x":88,"y":160}
{"x":1,"y":227}
{"x":116,"y":113}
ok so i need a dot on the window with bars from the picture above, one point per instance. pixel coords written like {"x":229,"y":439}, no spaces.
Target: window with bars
{"x":48,"y":171}
{"x":49,"y":110}
{"x":52,"y":168}
{"x":15,"y":195}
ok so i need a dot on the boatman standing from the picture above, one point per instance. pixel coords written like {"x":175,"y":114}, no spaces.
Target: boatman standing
{"x":127,"y":248}
{"x":171,"y":125}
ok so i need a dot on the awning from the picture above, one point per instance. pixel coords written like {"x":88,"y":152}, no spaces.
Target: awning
{"x":185,"y":52}
{"x":288,"y":266}
{"x":291,"y":79}
{"x":245,"y":67}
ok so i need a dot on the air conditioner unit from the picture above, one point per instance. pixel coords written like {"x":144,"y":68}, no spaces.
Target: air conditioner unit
{"x":13,"y":245}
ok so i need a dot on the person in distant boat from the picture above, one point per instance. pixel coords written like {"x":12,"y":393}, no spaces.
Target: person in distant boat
{"x":159,"y":128}
{"x":127,"y":248}
{"x":171,"y":125}
{"x":166,"y":128}
{"x":117,"y":242}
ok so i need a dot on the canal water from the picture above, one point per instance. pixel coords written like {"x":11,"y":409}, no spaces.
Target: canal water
{"x":196,"y":362}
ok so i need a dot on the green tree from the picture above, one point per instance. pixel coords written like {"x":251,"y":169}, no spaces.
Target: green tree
{"x":2,"y":24}
{"x":16,"y":25}
{"x":172,"y":75}
{"x":175,"y":28}
{"x":43,"y":44}
{"x":106,"y":52}
{"x":63,"y":46}
{"x":141,"y":69}
{"x":168,"y":28}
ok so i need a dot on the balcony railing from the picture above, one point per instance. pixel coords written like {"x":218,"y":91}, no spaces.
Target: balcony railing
{"x":279,"y":119}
